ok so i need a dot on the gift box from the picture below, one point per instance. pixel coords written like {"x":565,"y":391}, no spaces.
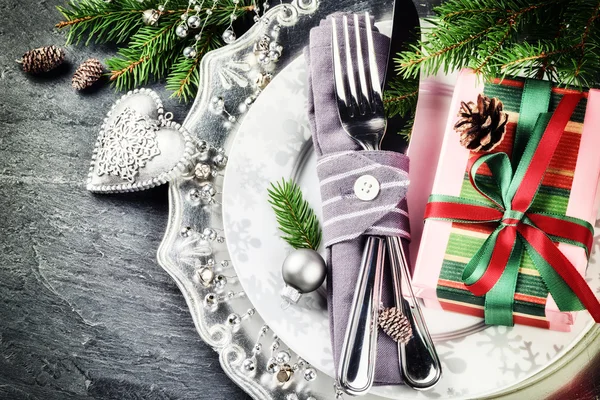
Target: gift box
{"x":485,"y":248}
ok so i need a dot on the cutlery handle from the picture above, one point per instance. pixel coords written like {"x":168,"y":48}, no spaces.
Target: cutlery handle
{"x":419,"y":362}
{"x":356,"y":369}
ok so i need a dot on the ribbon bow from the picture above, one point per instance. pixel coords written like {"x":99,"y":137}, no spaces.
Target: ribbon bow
{"x":494,"y":269}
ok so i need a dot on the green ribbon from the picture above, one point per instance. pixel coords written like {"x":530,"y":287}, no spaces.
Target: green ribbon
{"x":499,"y":301}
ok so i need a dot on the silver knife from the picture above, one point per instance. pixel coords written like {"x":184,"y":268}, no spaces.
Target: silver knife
{"x":419,"y":363}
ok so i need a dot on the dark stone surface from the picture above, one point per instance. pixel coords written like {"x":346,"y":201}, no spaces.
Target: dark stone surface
{"x":85,"y":310}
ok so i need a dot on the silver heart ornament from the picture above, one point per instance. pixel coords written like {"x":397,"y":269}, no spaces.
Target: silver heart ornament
{"x":139,"y":147}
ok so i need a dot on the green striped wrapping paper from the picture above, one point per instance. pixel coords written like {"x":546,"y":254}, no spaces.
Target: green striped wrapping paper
{"x":553,"y":196}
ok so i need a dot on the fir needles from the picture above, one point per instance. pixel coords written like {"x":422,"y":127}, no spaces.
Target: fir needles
{"x":553,"y":38}
{"x":151,"y":52}
{"x":297,"y":220}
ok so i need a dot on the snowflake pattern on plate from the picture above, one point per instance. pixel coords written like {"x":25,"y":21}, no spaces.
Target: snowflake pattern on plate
{"x":127,"y":145}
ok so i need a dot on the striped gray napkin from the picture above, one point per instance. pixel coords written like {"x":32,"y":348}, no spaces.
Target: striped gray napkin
{"x":346,"y":218}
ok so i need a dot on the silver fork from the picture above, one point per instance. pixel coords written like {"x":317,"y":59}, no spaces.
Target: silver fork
{"x":362,"y":117}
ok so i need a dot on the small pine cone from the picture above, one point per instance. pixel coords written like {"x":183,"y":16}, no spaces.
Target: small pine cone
{"x":393,"y":322}
{"x":87,"y":74}
{"x":42,"y":59}
{"x":481,"y":126}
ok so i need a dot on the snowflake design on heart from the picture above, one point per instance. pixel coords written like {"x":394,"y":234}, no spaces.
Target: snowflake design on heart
{"x":127,"y":145}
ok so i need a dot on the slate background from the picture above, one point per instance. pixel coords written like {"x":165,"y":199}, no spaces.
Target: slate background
{"x":85,"y":310}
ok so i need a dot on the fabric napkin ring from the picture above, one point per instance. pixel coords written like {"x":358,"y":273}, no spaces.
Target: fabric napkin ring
{"x":363,"y":192}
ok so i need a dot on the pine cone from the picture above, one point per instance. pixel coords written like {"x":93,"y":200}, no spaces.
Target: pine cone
{"x":395,"y":325}
{"x":87,"y":74}
{"x":42,"y":59}
{"x":482,"y":125}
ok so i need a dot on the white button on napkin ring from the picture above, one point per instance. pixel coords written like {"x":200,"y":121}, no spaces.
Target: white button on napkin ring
{"x":366,"y":187}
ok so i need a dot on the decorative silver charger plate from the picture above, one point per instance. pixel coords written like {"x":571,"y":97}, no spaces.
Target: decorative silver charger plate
{"x":195,"y":254}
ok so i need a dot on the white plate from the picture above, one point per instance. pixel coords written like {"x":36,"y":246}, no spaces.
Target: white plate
{"x":274,"y":143}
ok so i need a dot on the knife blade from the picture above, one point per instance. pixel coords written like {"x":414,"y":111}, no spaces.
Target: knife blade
{"x":418,"y":360}
{"x":405,"y":28}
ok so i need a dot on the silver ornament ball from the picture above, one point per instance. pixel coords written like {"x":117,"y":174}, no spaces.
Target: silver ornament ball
{"x":190,"y":52}
{"x":229,"y":36}
{"x":193,"y":22}
{"x":304,"y":270}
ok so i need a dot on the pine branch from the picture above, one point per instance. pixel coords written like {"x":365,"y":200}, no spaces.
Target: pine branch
{"x":101,"y":21}
{"x":152,"y":52}
{"x":401,"y":97}
{"x":556,"y":38}
{"x":184,"y":77}
{"x":297,"y":220}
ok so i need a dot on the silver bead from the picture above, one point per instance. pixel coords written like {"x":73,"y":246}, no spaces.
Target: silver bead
{"x":195,"y":196}
{"x":220,"y":282}
{"x":184,"y":16}
{"x":234,"y":319}
{"x":218,"y":104}
{"x":150,"y":17}
{"x":229,"y":36}
{"x":310,"y":374}
{"x":207,"y":191}
{"x":210,"y":300}
{"x":283,"y":357}
{"x":210,"y":233}
{"x":220,"y":239}
{"x":206,"y":276}
{"x":262,"y":45}
{"x":263,"y":58}
{"x":257,"y":348}
{"x":181,"y":30}
{"x":220,"y":160}
{"x":304,"y":270}
{"x":202,"y":146}
{"x":190,"y":52}
{"x":209,"y":12}
{"x":274,"y":55}
{"x":161,"y":8}
{"x":193,"y":22}
{"x":272,"y":366}
{"x":202,"y":171}
{"x":185,"y":231}
{"x":197,"y":8}
{"x":249,"y":365}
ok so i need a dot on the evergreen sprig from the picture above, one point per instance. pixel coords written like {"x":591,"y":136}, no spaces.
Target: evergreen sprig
{"x":297,"y":220}
{"x":558,"y":39}
{"x":152,"y":52}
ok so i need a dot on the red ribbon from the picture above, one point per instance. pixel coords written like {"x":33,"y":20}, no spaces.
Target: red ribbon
{"x":536,"y":236}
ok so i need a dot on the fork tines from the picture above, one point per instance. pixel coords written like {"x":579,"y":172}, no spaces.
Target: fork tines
{"x":358,"y":92}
